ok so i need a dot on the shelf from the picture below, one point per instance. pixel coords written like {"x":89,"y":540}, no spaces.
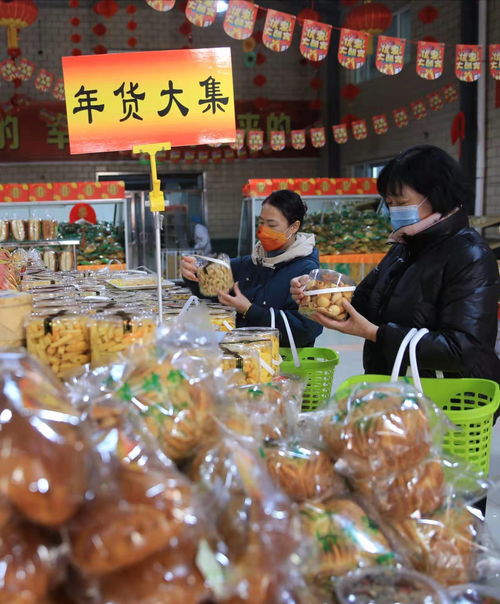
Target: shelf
{"x":42,"y":243}
{"x":68,"y":202}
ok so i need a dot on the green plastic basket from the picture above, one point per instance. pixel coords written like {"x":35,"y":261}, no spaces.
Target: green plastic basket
{"x":469,"y":403}
{"x":317,"y":366}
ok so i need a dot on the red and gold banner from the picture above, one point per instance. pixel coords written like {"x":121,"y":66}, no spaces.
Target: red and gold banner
{"x":390,"y":55}
{"x":189,"y":156}
{"x":240,"y":19}
{"x":468,"y":62}
{"x":495,"y":61}
{"x":277,"y":140}
{"x":435,"y":101}
{"x":450,"y":93}
{"x":419,"y":109}
{"x":400,"y":117}
{"x":175,"y":156}
{"x":239,"y":142}
{"x":216,"y":155}
{"x":116,"y":101}
{"x":201,"y":12}
{"x":340,"y":135}
{"x":298,"y":139}
{"x":318,"y":137}
{"x":255,"y":140}
{"x":278,"y":30}
{"x":229,"y":155}
{"x":430,"y":59}
{"x":315,"y":40}
{"x":161,"y":5}
{"x":203,"y":156}
{"x":44,"y":80}
{"x":353,"y":46}
{"x":380,"y":123}
{"x":359,"y":129}
{"x":262,"y":187}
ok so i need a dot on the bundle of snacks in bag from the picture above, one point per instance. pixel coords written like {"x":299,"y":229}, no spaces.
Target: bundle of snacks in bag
{"x":9,"y":275}
{"x":214,"y":275}
{"x":325,"y":291}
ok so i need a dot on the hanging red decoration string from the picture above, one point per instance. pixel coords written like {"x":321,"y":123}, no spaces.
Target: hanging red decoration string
{"x":349,"y":92}
{"x":428,"y":14}
{"x":131,"y":9}
{"x":132,"y":26}
{"x":16,"y":15}
{"x":76,"y":38}
{"x":371,"y":17}
{"x":99,"y":29}
{"x":106,"y":8}
{"x":260,"y":80}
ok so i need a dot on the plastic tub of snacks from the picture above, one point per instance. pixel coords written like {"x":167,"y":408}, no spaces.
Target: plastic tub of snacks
{"x":214,"y":275}
{"x":222,"y":319}
{"x":262,"y":346}
{"x":243,"y":361}
{"x":325,"y":292}
{"x":265,"y":333}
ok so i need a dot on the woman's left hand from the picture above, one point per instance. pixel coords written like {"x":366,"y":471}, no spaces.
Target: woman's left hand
{"x":355,"y":325}
{"x":240,"y":302}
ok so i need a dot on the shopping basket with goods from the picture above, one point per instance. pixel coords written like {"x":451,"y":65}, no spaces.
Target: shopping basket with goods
{"x":469,"y":403}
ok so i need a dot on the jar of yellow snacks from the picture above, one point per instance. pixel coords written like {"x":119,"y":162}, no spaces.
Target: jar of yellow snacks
{"x":242,"y":361}
{"x":265,"y":333}
{"x":325,"y":292}
{"x":222,"y":319}
{"x":262,"y":346}
{"x":214,"y":275}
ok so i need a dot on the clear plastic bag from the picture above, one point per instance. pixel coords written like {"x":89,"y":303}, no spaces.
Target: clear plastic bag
{"x":474,"y":594}
{"x":325,"y":291}
{"x":214,"y":274}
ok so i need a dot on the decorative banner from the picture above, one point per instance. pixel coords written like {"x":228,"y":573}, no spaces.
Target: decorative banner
{"x":315,"y":40}
{"x":175,"y":155}
{"x":201,"y":12}
{"x":340,"y":133}
{"x":161,"y":5}
{"x":278,"y":30}
{"x":450,"y":93}
{"x":435,"y":101}
{"x":44,"y":80}
{"x":25,"y":69}
{"x":430,"y":59}
{"x":229,"y":155}
{"x":203,"y":156}
{"x":359,"y":129}
{"x":240,"y":140}
{"x":468,"y":62}
{"x":495,"y":61}
{"x":380,"y":124}
{"x":240,"y":19}
{"x":318,"y":137}
{"x":8,"y":70}
{"x":419,"y":109}
{"x":217,"y":155}
{"x":277,"y":140}
{"x":298,"y":139}
{"x":352,"y":48}
{"x":255,"y":140}
{"x":401,"y":117}
{"x":189,"y":156}
{"x":116,"y":101}
{"x":390,"y":55}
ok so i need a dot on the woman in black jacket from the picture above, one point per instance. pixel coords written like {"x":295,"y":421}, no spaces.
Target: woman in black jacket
{"x":439,"y":274}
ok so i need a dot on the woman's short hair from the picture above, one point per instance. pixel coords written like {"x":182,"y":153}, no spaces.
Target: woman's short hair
{"x":431,"y":172}
{"x":289,"y":203}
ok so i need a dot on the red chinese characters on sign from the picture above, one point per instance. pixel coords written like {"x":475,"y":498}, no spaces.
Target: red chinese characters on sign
{"x":352,"y":48}
{"x":450,"y":93}
{"x":315,"y":40}
{"x":340,"y":133}
{"x":400,"y":116}
{"x":240,"y":19}
{"x":277,"y":140}
{"x":435,"y":101}
{"x":419,"y":109}
{"x":298,"y":139}
{"x":359,"y":129}
{"x":468,"y":62}
{"x":495,"y":61}
{"x":201,"y":12}
{"x":239,"y":142}
{"x":430,"y":59}
{"x":380,"y":124}
{"x":278,"y":30}
{"x":255,"y":140}
{"x":318,"y":137}
{"x":390,"y":55}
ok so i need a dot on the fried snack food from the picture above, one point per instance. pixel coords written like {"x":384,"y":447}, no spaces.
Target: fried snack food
{"x":215,"y":275}
{"x":325,"y":292}
{"x":223,"y":319}
{"x":262,"y":346}
{"x":245,"y":361}
{"x":346,"y":537}
{"x":262,"y":333}
{"x":304,"y":473}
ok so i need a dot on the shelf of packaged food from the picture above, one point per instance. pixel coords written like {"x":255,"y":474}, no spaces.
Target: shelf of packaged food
{"x":41,"y":204}
{"x":74,"y":243}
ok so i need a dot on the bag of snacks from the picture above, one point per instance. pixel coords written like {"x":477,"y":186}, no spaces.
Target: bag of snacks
{"x":325,"y":291}
{"x":214,"y":275}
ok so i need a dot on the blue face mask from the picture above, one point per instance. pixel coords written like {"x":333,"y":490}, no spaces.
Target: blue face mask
{"x":402,"y":216}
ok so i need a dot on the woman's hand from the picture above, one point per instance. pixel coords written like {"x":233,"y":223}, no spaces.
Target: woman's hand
{"x":355,"y":325}
{"x":240,"y":302}
{"x":189,"y":268}
{"x":297,"y":287}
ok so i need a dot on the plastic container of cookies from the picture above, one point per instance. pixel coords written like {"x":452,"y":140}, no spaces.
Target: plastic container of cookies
{"x":325,"y":291}
{"x":242,"y":360}
{"x":214,"y":274}
{"x":261,"y":345}
{"x":474,"y":594}
{"x":265,"y":333}
{"x":222,"y":319}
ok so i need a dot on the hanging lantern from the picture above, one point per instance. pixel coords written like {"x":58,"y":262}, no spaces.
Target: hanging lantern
{"x":16,"y":15}
{"x":371,"y":17}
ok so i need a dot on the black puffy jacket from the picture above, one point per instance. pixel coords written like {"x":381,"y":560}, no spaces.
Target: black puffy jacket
{"x":445,"y":279}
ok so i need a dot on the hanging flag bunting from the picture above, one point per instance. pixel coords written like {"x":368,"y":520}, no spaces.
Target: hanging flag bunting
{"x":450,"y":93}
{"x":229,"y":154}
{"x":495,"y":61}
{"x":44,"y":80}
{"x":216,"y":155}
{"x":298,"y":139}
{"x":242,"y":154}
{"x":430,"y":58}
{"x":359,"y":129}
{"x":240,"y":19}
{"x":189,"y":156}
{"x":239,"y":142}
{"x":352,"y":48}
{"x":380,"y":124}
{"x":318,"y":137}
{"x":390,"y":55}
{"x":278,"y":30}
{"x":278,"y":140}
{"x":255,"y":140}
{"x":468,"y":62}
{"x":401,"y":117}
{"x":201,"y":12}
{"x":315,"y":40}
{"x":435,"y":100}
{"x":161,"y":5}
{"x":175,"y":155}
{"x":418,"y":109}
{"x":203,"y":156}
{"x":340,"y":133}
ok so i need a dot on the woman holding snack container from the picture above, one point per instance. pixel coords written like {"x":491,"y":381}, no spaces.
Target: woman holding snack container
{"x":261,"y":281}
{"x":439,"y":274}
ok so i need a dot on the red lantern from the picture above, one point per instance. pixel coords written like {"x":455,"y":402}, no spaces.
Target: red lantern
{"x":309,"y":14}
{"x":16,"y":15}
{"x":106,"y":8}
{"x":372,"y":17}
{"x":428,"y":14}
{"x":350,"y":92}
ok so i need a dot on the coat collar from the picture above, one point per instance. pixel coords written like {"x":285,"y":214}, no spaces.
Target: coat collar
{"x":443,"y":229}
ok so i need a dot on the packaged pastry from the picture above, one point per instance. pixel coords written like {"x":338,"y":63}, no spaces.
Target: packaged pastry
{"x":266,"y":333}
{"x":66,"y":260}
{"x":325,"y":291}
{"x":262,"y":345}
{"x":34,"y":229}
{"x":50,"y":259}
{"x":9,"y":273}
{"x":214,"y":275}
{"x":49,"y":229}
{"x":237,"y":357}
{"x":18,"y":229}
{"x":14,"y":308}
{"x":4,"y":230}
{"x":223,"y":319}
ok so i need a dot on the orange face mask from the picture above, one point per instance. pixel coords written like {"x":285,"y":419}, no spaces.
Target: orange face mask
{"x":271,"y":240}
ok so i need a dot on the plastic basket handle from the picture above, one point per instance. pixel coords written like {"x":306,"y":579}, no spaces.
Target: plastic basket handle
{"x":187,"y":304}
{"x":293,"y":347}
{"x":399,"y":357}
{"x":413,"y":357}
{"x":273,"y":318}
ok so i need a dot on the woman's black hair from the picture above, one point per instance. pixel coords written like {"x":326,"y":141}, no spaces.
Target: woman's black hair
{"x":431,"y":172}
{"x":290,"y":204}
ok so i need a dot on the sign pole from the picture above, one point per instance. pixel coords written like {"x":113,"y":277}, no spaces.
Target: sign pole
{"x":157,"y":205}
